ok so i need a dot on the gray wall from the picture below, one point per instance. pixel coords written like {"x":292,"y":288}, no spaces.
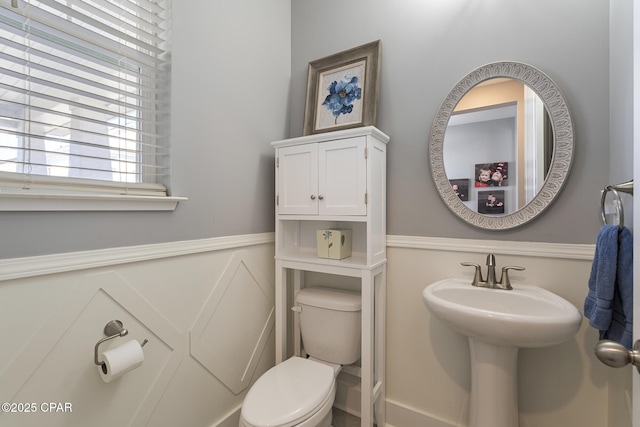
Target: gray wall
{"x":231,"y":69}
{"x":237,"y":64}
{"x":427,"y":46}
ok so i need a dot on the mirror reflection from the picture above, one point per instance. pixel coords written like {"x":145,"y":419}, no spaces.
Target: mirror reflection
{"x":498,"y":146}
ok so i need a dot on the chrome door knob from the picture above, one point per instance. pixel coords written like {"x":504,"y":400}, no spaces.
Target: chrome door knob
{"x":616,"y":355}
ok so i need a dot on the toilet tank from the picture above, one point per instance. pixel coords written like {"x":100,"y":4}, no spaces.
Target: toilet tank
{"x":330,"y":324}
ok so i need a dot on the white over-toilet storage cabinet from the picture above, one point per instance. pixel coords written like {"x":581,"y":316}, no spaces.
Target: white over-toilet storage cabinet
{"x":326,"y":181}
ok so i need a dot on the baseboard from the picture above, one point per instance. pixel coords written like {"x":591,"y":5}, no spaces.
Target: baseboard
{"x":397,"y":414}
{"x":400,"y":415}
{"x":231,"y":419}
{"x":348,"y":394}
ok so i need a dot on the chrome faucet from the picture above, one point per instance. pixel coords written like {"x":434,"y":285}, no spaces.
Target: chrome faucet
{"x":491,"y":271}
{"x":491,"y":282}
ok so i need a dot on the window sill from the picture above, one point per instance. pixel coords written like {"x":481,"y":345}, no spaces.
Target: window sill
{"x":22,"y":202}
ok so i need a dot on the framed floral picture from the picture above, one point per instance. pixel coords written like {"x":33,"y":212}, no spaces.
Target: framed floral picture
{"x":342,"y":90}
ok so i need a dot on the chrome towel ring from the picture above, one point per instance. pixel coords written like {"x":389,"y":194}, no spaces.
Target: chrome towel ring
{"x":626,"y":187}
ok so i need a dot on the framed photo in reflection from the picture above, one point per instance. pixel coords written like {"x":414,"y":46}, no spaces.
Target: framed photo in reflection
{"x":461,"y":188}
{"x":491,"y":202}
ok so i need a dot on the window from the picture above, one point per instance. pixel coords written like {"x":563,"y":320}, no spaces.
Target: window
{"x":84,"y":96}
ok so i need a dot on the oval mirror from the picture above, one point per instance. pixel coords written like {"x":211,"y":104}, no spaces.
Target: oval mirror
{"x":501,"y":145}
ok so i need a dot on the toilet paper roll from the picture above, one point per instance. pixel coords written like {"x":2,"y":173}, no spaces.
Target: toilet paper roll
{"x":120,"y":360}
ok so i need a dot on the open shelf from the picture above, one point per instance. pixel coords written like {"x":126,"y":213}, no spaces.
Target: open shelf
{"x":296,"y":241}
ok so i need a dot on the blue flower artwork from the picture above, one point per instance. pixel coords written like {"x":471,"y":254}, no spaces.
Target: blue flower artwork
{"x":342,"y":95}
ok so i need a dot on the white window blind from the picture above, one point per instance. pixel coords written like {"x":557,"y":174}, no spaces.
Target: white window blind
{"x":83,"y":95}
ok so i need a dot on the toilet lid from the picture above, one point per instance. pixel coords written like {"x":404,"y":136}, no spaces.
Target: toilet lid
{"x":288,"y":393}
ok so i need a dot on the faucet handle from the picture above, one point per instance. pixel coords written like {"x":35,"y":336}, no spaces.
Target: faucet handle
{"x":477,"y":277}
{"x":504,"y":279}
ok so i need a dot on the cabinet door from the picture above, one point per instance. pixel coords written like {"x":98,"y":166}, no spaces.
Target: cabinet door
{"x":342,"y":168}
{"x":298,"y":179}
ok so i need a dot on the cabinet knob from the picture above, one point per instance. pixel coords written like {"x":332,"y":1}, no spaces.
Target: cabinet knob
{"x":321,"y":197}
{"x":313,"y":197}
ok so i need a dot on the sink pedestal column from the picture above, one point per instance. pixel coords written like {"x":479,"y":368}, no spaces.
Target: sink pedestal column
{"x":494,"y":388}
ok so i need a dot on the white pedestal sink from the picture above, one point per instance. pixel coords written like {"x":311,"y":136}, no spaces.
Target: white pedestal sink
{"x":498,"y":323}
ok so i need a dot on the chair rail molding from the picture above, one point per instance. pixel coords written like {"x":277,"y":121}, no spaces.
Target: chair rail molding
{"x":16,"y":268}
{"x":502,"y":247}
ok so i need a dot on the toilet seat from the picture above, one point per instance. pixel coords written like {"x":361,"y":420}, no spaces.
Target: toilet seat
{"x":289,"y":393}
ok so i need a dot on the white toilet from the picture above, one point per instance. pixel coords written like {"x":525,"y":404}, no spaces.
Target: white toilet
{"x":300,"y":392}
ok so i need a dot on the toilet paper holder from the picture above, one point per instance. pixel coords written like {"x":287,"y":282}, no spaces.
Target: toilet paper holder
{"x":113,"y":329}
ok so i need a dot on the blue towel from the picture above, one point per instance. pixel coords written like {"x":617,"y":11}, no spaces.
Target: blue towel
{"x":609,"y":303}
{"x":598,"y":306}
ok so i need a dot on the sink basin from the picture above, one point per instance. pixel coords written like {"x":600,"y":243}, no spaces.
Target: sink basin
{"x":498,"y":323}
{"x":527,"y":316}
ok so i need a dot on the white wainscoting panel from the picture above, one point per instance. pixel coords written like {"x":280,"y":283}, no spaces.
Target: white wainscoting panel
{"x":206,"y":308}
{"x":240,"y":313}
{"x":53,"y":312}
